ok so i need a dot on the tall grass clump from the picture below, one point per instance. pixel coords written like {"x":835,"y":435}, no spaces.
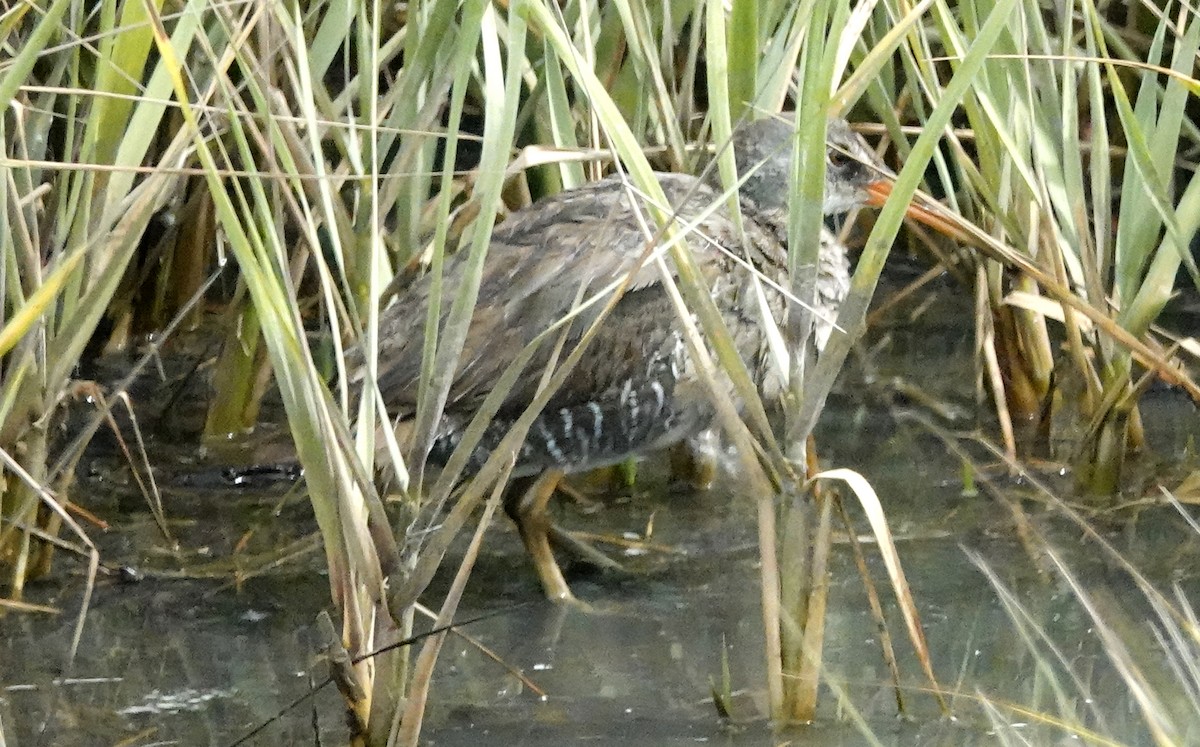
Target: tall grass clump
{"x":82,"y":179}
{"x":1066,"y":154}
{"x":320,"y":147}
{"x":319,"y":183}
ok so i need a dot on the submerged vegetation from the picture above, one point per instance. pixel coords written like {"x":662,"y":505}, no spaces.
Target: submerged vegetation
{"x":315,"y":158}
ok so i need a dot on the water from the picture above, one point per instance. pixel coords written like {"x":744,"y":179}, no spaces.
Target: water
{"x":199,"y":653}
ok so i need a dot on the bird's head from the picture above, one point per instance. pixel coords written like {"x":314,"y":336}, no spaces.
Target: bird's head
{"x":763,"y":150}
{"x":854,"y":175}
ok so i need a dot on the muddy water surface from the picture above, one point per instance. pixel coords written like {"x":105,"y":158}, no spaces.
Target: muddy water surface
{"x":191,"y":655}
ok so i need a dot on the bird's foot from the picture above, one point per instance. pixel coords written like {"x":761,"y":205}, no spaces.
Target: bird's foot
{"x":584,"y":551}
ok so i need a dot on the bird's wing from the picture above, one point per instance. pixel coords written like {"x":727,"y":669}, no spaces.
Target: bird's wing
{"x":540,"y":261}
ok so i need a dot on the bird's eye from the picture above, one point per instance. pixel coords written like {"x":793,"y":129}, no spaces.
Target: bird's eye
{"x":838,"y":159}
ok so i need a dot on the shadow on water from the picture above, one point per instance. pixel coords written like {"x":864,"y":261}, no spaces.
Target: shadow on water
{"x":197,"y":658}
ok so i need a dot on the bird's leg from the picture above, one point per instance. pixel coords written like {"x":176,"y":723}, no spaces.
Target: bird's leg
{"x":694,"y":460}
{"x":527,"y":507}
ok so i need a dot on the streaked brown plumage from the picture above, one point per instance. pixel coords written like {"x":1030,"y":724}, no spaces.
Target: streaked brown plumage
{"x":634,"y":390}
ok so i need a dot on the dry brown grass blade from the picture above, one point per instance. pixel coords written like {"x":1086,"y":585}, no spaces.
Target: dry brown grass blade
{"x":1013,"y":259}
{"x":986,"y":342}
{"x":885,"y":635}
{"x":1020,"y":518}
{"x":422,"y":671}
{"x":891,"y":559}
{"x":16,"y":606}
{"x":52,"y":503}
{"x":138,"y":466}
{"x":482,"y":648}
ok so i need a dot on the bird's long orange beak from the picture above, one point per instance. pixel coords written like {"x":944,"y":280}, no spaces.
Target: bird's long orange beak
{"x":878,"y":192}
